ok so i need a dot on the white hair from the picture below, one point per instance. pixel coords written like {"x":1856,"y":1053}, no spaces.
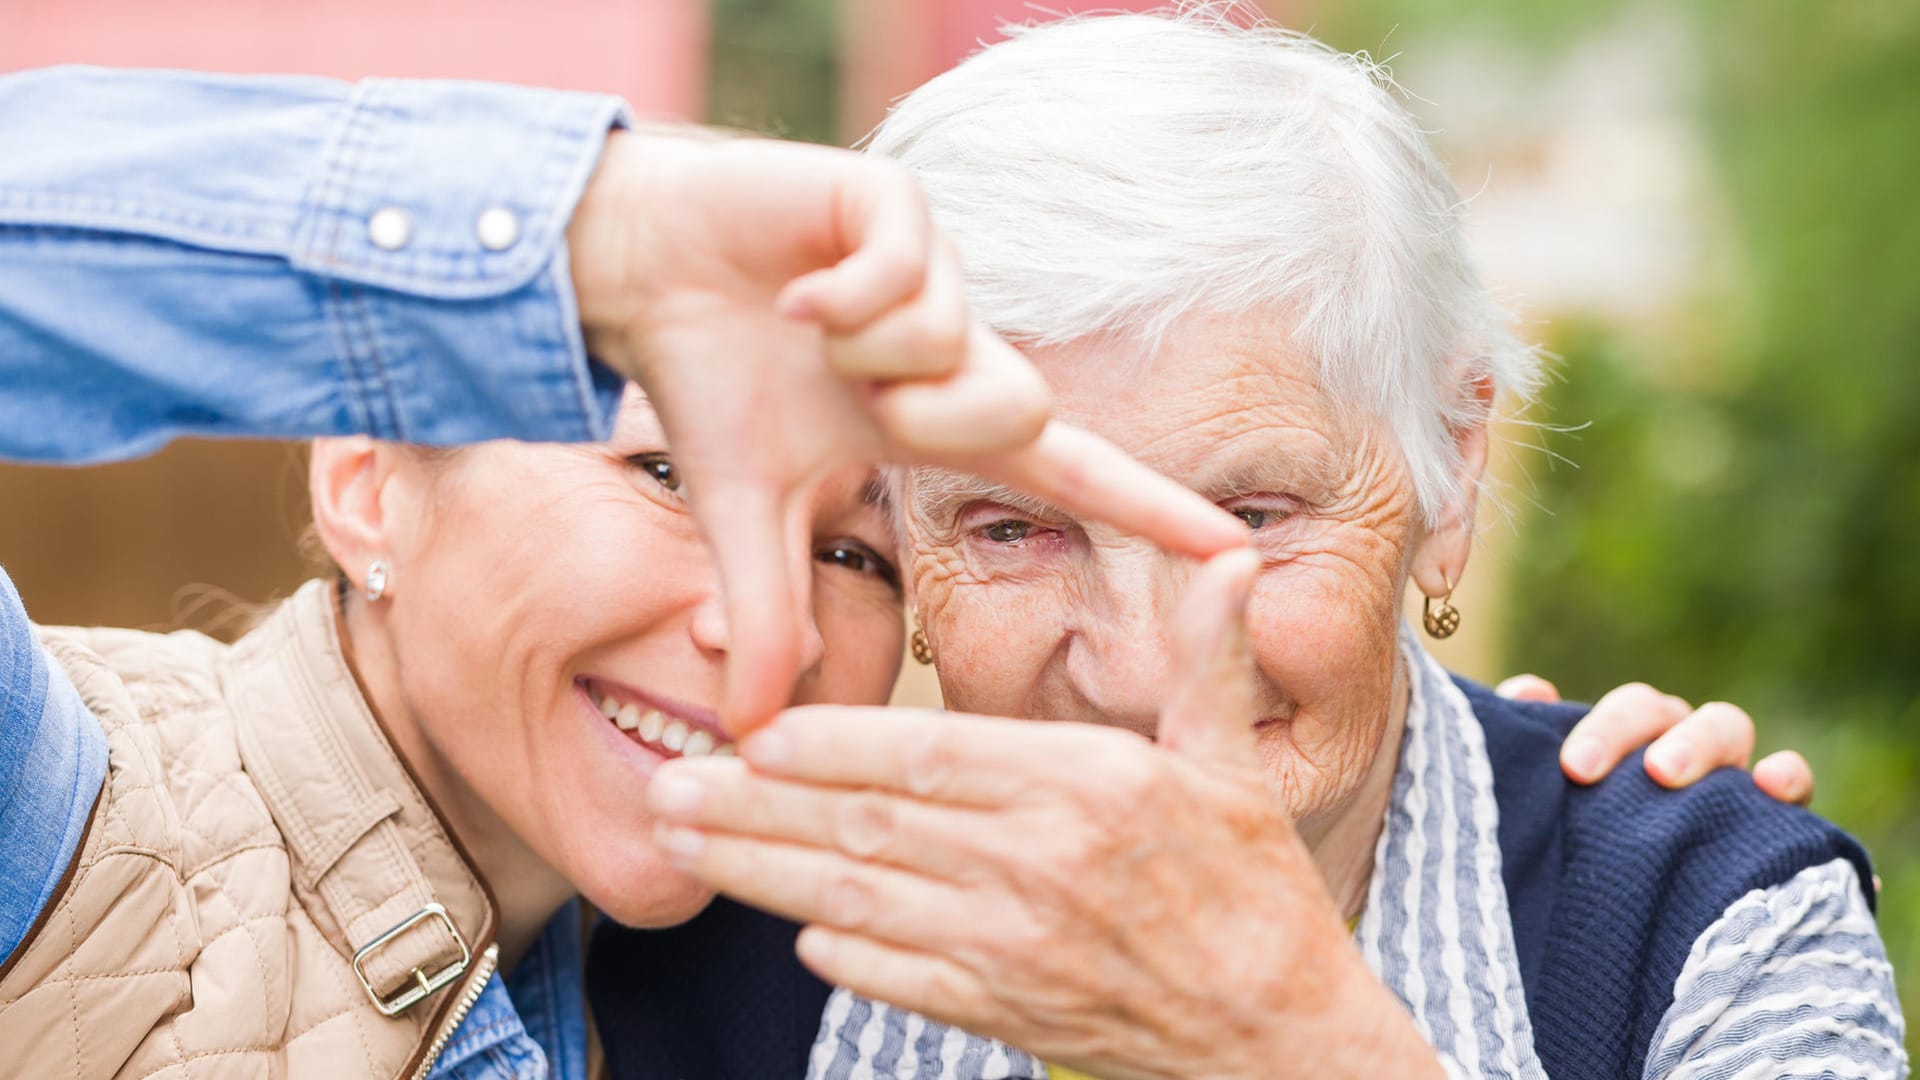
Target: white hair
{"x":1111,"y":174}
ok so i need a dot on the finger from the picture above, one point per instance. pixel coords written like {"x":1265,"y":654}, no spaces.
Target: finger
{"x":1786,"y":776}
{"x":1210,"y":709}
{"x":1627,"y":718}
{"x":1528,"y":688}
{"x":764,"y":637}
{"x":925,"y":337}
{"x":922,"y":982}
{"x":1714,"y":735}
{"x":936,"y":756}
{"x":885,"y":234}
{"x":995,"y":402}
{"x":809,"y":884}
{"x":718,"y":795}
{"x":1090,"y":478}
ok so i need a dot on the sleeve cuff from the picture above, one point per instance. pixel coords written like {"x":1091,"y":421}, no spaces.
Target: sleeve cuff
{"x":450,"y":190}
{"x":57,"y":762}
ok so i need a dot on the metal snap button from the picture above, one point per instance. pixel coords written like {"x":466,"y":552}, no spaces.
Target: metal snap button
{"x":498,"y":228}
{"x":390,"y":228}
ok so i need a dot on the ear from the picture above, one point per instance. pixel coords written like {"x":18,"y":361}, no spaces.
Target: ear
{"x":1441,"y":559}
{"x":346,"y":481}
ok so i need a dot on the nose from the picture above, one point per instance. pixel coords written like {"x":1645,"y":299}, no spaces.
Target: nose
{"x":1117,"y":651}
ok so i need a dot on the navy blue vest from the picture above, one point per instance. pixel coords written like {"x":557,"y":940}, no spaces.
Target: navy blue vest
{"x":1609,"y":888}
{"x":1610,"y":885}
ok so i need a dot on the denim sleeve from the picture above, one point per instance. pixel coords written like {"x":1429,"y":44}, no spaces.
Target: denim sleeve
{"x":289,"y":257}
{"x":53,"y":759}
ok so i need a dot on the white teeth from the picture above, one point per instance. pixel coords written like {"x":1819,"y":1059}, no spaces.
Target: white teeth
{"x":628,"y":718}
{"x":699,"y":744}
{"x":725,"y":749}
{"x":675,"y":736}
{"x":650,"y":725}
{"x":610,"y":707}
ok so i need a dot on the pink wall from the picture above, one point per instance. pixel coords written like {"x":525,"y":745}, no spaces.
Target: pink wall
{"x":652,"y":52}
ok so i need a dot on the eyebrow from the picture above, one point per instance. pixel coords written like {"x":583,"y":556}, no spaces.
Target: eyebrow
{"x":937,"y":492}
{"x":877,"y":493}
{"x":1276,"y":465}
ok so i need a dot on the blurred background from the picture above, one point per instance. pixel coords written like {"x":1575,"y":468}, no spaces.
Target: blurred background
{"x":1707,"y":210}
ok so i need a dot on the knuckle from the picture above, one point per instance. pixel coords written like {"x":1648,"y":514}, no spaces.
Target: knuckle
{"x":943,"y":338}
{"x":929,"y":764}
{"x":1724,"y":712}
{"x":846,"y":901}
{"x":1637,"y":697}
{"x":865,"y":825}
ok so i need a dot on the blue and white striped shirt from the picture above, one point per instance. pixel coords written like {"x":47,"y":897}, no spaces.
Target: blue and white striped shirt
{"x":1792,"y":981}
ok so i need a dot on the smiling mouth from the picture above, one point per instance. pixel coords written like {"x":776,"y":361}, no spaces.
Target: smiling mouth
{"x":668,"y":731}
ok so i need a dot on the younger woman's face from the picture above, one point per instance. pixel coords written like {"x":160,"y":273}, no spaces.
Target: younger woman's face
{"x":549,"y":586}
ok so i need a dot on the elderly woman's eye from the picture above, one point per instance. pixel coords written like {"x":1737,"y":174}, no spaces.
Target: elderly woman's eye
{"x":861,"y":559}
{"x":1262,"y":514}
{"x":1010,"y":531}
{"x":658,"y":466}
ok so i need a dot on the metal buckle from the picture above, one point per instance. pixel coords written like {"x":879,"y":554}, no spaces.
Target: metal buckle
{"x":423,"y":983}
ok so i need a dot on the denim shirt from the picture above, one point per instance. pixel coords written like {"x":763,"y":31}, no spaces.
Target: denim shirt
{"x":266,"y":257}
{"x":533,"y":1026}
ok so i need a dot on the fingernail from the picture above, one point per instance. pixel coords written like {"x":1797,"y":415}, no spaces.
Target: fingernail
{"x":1583,"y":757}
{"x":767,"y":747}
{"x":1673,"y":759}
{"x":673,"y":793}
{"x":681,"y":845}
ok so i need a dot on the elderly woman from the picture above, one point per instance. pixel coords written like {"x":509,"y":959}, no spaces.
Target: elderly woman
{"x":1233,"y":254}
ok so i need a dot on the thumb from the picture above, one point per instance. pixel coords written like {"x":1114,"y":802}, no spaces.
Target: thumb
{"x":1210,"y":709}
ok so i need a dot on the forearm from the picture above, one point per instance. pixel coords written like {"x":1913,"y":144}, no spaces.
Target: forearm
{"x":288,"y":258}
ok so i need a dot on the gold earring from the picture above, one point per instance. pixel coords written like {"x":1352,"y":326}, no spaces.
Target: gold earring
{"x":922,"y":648}
{"x":1442,"y":623}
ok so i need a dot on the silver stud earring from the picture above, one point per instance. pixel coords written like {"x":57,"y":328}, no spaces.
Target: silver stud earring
{"x":376,"y":580}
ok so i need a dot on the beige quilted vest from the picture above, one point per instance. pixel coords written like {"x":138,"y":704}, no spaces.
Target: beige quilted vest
{"x":261,"y":884}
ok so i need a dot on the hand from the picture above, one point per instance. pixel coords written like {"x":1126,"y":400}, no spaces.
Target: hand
{"x":1687,"y":743}
{"x":790,"y":308}
{"x":1146,"y":911}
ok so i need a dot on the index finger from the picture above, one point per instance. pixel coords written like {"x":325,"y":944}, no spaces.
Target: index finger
{"x":883,"y":229}
{"x":1089,"y":477}
{"x":957,"y":758}
{"x":763,"y":619}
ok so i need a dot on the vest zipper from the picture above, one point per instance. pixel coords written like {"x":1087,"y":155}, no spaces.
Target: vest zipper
{"x":476,"y":984}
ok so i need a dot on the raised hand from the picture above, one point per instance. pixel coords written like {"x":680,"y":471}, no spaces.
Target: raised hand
{"x":790,"y":308}
{"x":1124,"y":907}
{"x":1683,"y":743}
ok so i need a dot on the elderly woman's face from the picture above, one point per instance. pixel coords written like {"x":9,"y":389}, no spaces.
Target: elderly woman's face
{"x":543,"y":582}
{"x":1035,"y":615}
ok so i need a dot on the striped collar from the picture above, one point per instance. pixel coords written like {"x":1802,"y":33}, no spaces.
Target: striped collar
{"x":1435,"y":930}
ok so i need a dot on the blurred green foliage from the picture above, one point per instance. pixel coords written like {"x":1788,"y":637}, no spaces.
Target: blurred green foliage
{"x":1745,"y":513}
{"x":774,"y":67}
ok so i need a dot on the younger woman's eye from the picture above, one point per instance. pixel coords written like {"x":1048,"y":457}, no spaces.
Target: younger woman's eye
{"x":660,"y":467}
{"x":861,"y":559}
